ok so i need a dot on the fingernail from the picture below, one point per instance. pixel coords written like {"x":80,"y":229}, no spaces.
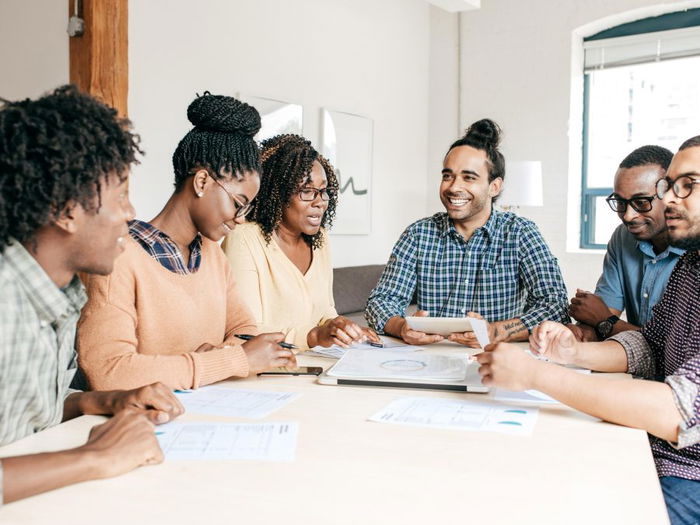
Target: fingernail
{"x":162,"y":417}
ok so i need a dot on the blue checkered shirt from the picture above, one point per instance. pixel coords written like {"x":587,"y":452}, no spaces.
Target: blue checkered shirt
{"x":504,"y":271}
{"x":164,"y":250}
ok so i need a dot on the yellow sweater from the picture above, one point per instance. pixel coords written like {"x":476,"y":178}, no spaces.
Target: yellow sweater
{"x":143,"y":323}
{"x":281,"y":298}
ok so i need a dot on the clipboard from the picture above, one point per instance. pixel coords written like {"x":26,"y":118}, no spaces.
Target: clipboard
{"x":355,"y":374}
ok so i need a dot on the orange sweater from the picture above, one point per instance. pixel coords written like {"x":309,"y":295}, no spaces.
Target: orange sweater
{"x":143,"y":323}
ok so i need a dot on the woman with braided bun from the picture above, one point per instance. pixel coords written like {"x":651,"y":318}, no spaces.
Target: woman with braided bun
{"x":282,"y":259}
{"x":171,"y":309}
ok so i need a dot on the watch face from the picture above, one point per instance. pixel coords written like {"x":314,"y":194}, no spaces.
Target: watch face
{"x":605,"y":327}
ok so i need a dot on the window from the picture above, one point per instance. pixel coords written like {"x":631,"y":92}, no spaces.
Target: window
{"x":641,"y":86}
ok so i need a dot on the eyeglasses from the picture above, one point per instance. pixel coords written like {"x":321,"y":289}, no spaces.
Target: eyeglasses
{"x":640,"y":204}
{"x":682,"y":187}
{"x":310,"y":194}
{"x":241,"y":209}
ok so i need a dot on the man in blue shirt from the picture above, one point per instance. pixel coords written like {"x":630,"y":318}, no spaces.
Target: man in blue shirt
{"x":472,"y":260}
{"x":639,"y":260}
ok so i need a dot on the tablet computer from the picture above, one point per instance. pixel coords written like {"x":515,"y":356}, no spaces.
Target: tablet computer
{"x":440,"y":325}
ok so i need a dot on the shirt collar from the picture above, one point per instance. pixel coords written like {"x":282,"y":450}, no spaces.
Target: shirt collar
{"x":648,"y":249}
{"x":50,"y":302}
{"x":446,"y":226}
{"x":152,"y":236}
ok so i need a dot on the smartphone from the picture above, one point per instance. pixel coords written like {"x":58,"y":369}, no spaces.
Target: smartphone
{"x":288,"y":371}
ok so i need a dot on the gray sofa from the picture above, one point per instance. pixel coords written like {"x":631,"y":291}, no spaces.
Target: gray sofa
{"x":351,"y":287}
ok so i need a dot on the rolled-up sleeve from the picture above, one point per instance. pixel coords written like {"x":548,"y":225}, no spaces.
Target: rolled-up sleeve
{"x":546,"y":293}
{"x":640,"y":358}
{"x":397,"y":284}
{"x":685,"y":385}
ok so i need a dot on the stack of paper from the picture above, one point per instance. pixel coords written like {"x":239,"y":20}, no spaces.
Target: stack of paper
{"x":336,"y":352}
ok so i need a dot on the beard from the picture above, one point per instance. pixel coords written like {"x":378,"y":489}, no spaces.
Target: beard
{"x":690,"y":243}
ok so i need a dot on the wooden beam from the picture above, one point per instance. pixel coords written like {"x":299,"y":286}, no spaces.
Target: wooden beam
{"x":99,"y":62}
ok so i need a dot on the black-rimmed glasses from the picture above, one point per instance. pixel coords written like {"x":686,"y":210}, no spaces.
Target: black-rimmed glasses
{"x":682,"y":187}
{"x":310,"y":194}
{"x":242,"y":209}
{"x":641,"y":204}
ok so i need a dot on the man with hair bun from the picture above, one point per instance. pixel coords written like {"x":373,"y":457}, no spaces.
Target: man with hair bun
{"x":639,"y":260}
{"x":471,"y":260}
{"x":64,"y":163}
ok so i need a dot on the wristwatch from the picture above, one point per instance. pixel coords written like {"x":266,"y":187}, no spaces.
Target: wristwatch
{"x":603,"y":328}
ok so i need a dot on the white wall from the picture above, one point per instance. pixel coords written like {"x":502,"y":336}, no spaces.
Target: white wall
{"x":33,"y":47}
{"x":517,"y":69}
{"x":360,"y":56}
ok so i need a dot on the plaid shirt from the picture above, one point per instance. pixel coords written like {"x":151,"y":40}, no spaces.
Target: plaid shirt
{"x":37,"y":345}
{"x":668,"y":349}
{"x":164,"y":250}
{"x":504,"y":271}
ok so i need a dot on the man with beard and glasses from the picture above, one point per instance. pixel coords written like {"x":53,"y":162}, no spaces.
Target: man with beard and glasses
{"x":472,"y":260}
{"x":638,"y":261}
{"x":665,"y":352}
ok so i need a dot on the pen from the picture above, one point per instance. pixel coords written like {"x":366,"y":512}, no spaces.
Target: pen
{"x":248,"y":337}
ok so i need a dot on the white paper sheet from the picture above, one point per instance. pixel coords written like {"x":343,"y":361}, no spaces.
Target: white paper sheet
{"x":336,"y":352}
{"x":528,"y":396}
{"x":458,"y":415}
{"x":399,"y":365}
{"x":230,"y":402}
{"x":481,"y":331}
{"x":234,"y":441}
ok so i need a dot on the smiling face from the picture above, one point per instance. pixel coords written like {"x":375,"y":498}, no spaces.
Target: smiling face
{"x":683,"y":215}
{"x":640,"y":181}
{"x":465,"y":190}
{"x":306,"y":216}
{"x":214,"y":213}
{"x":101,"y":233}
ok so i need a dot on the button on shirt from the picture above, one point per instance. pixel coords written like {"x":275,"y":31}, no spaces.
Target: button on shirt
{"x":37,"y":345}
{"x":634,"y":277}
{"x":668,"y":349}
{"x":505,"y":270}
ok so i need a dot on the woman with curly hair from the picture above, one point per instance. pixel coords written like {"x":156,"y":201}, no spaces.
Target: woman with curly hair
{"x":282,"y":259}
{"x":171,"y":310}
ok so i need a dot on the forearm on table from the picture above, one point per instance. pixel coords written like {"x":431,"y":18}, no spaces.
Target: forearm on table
{"x":93,"y":402}
{"x":603,"y":356}
{"x":24,"y":476}
{"x":648,"y":405}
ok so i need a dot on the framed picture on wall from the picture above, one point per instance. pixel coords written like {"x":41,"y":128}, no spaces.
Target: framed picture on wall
{"x":346,"y":141}
{"x":278,"y":117}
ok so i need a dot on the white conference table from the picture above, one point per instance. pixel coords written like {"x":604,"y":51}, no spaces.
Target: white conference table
{"x":573,"y":469}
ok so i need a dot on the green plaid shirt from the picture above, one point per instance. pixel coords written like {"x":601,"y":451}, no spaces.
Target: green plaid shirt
{"x":37,"y":345}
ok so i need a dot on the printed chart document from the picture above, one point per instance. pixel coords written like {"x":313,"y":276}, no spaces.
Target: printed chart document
{"x":336,"y":352}
{"x":233,"y":402}
{"x":251,"y":441}
{"x":399,"y":365}
{"x":458,"y":415}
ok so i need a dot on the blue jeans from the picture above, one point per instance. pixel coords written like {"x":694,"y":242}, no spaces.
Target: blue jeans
{"x":682,"y":500}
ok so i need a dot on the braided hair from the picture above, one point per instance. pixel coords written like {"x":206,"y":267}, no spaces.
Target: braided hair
{"x":56,"y":151}
{"x":221,"y":140}
{"x":286,"y":166}
{"x":485,"y":135}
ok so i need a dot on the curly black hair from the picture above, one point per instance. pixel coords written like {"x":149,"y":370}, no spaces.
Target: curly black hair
{"x":221,"y":140}
{"x":286,"y":166}
{"x":54,"y":152}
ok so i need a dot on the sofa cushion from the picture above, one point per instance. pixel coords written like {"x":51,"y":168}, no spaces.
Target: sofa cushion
{"x":352,"y":286}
